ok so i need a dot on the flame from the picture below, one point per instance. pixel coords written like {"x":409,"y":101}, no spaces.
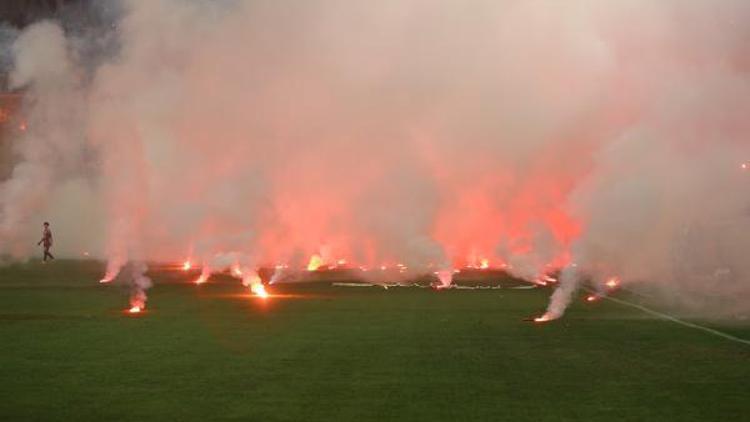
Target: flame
{"x":260,"y":290}
{"x":484,"y":263}
{"x":315,"y":262}
{"x":106,"y":279}
{"x":544,"y":318}
{"x":236,"y":271}
{"x":592,"y":298}
{"x":341,"y":262}
{"x":547,"y":316}
{"x":613,"y":282}
{"x":201,"y":279}
{"x":135,"y":309}
{"x":187,"y":265}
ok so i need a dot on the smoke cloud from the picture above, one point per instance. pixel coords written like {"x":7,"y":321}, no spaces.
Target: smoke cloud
{"x":531,"y":135}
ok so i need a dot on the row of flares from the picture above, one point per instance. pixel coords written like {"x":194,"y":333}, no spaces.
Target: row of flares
{"x":252,"y":280}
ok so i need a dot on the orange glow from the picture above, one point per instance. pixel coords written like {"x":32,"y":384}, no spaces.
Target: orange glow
{"x":135,"y":310}
{"x":543,"y":318}
{"x":201,"y":279}
{"x":315,"y":262}
{"x":187,"y":265}
{"x":236,"y":271}
{"x":260,"y":290}
{"x":105,"y":280}
{"x":592,"y":298}
{"x":613,"y":282}
{"x":484,"y":263}
{"x":341,"y":262}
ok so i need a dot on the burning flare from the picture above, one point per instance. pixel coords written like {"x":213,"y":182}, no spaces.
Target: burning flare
{"x":613,"y":282}
{"x":187,"y":265}
{"x":205,"y":275}
{"x":315,"y":262}
{"x":252,"y":279}
{"x":259,"y":290}
{"x":545,"y":318}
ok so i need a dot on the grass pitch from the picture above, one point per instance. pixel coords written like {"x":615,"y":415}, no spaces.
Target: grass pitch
{"x":212,"y":352}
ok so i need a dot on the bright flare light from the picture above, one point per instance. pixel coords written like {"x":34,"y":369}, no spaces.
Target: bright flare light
{"x":201,"y":279}
{"x":592,"y":298}
{"x":135,"y":309}
{"x":259,"y":290}
{"x":484,"y":263}
{"x":543,"y":318}
{"x":315,"y":262}
{"x":187,"y":265}
{"x":613,"y":282}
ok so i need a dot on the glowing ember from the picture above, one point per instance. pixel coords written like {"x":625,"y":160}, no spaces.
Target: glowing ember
{"x":187,"y":265}
{"x":613,"y":282}
{"x":105,"y":280}
{"x":315,"y":262}
{"x":135,"y":310}
{"x":484,"y":263}
{"x":201,"y":279}
{"x":592,"y":298}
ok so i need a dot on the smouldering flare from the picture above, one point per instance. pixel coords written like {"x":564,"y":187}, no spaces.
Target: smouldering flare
{"x":484,"y":263}
{"x":592,"y":298}
{"x":203,"y":277}
{"x":187,"y":265}
{"x":135,"y":309}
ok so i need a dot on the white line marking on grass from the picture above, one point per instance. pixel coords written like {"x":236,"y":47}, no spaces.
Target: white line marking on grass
{"x":679,"y":321}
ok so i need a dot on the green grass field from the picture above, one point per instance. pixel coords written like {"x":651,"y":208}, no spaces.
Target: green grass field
{"x":212,"y":352}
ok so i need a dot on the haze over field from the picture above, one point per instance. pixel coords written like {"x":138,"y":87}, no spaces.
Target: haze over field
{"x":527,"y":135}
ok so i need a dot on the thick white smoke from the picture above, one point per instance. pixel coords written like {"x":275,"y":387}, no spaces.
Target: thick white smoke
{"x":431,"y":134}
